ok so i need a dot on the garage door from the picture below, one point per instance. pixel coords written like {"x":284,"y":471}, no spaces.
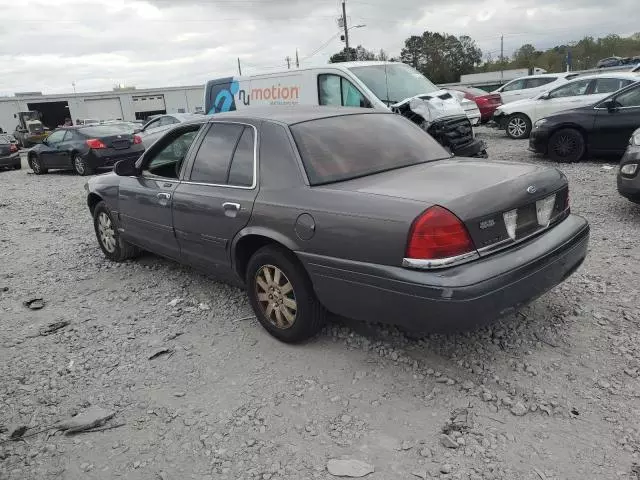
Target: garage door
{"x":148,"y":103}
{"x":103,"y":108}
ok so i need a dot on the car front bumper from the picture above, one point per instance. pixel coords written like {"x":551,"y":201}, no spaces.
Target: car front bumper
{"x":456,"y":298}
{"x":539,"y":140}
{"x":10,"y":161}
{"x":629,"y":186}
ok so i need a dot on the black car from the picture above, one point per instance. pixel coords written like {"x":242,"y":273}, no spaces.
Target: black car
{"x":600,"y":129}
{"x":9,"y":155}
{"x":85,"y":149}
{"x":628,"y":173}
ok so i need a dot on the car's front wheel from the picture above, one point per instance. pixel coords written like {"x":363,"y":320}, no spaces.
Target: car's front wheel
{"x":36,"y":165}
{"x":109,"y":239}
{"x":566,"y":145}
{"x":518,"y":126}
{"x":282,"y":296}
{"x":80,"y":165}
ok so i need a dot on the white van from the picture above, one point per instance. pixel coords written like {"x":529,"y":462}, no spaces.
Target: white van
{"x":380,"y":85}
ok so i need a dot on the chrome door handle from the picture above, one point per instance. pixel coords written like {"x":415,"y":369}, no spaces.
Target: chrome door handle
{"x":231,"y":206}
{"x":164,"y":196}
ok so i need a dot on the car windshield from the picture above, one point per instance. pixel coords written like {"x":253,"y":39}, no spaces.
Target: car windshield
{"x":105,"y":130}
{"x":4,"y":140}
{"x":341,"y":148}
{"x":394,"y":82}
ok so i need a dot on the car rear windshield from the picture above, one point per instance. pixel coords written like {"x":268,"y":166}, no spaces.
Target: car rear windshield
{"x":341,"y":148}
{"x":104,"y":130}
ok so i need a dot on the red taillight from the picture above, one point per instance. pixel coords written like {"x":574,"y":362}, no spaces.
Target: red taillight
{"x":95,"y":144}
{"x":137,"y":140}
{"x":437,"y":234}
{"x":13,"y":148}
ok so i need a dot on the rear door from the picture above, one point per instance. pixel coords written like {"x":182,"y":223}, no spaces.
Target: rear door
{"x":215,"y":200}
{"x":613,"y":127}
{"x":145,"y":200}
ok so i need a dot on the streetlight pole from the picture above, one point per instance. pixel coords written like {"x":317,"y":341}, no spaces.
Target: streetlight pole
{"x":346,"y":29}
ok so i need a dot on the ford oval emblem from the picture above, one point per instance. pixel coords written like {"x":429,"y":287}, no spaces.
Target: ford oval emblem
{"x":532,"y":189}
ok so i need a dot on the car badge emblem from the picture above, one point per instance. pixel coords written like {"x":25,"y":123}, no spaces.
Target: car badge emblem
{"x":119,"y":136}
{"x":487,"y":224}
{"x":532,"y":189}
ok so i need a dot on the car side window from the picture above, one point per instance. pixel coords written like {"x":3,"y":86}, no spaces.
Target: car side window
{"x":153,"y":124}
{"x":168,"y":161}
{"x":338,"y":91}
{"x":575,"y":88}
{"x":538,"y":82}
{"x":241,"y":168}
{"x":56,"y":137}
{"x":609,"y":85}
{"x":515,"y":85}
{"x":628,"y":99}
{"x":211,"y":164}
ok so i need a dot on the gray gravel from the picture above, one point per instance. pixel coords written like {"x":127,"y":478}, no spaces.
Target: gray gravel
{"x":552,"y":392}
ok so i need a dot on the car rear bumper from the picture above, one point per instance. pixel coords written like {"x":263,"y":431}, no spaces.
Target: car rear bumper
{"x":11,"y":160}
{"x":629,"y":186}
{"x":456,"y":298}
{"x":539,"y":140}
{"x":108,"y":158}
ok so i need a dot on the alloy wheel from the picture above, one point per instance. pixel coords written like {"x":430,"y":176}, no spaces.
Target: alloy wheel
{"x":565,"y":146}
{"x":517,"y":127}
{"x":106,"y":232}
{"x":276,"y":296}
{"x":79,"y":164}
{"x":35,"y":164}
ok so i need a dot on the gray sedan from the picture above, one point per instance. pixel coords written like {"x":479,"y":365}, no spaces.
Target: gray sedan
{"x":362,"y":214}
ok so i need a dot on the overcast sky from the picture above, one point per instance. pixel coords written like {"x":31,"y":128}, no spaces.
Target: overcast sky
{"x":45,"y":45}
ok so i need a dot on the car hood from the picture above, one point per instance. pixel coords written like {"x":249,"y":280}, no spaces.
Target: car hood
{"x":570,"y":114}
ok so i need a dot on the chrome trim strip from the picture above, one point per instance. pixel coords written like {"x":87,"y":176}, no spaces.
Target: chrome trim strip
{"x":496,"y":247}
{"x":427,"y":264}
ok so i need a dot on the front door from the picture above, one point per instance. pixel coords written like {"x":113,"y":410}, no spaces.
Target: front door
{"x":215,"y":200}
{"x":145,"y":200}
{"x":50,"y":154}
{"x":613,"y":126}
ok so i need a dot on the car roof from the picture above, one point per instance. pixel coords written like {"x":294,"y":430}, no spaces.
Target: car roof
{"x":622,"y":75}
{"x":290,"y":115}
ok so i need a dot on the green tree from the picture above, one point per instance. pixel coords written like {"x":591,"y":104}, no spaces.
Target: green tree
{"x":359,"y":54}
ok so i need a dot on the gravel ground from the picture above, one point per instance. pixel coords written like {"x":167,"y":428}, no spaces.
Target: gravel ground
{"x":550,"y":393}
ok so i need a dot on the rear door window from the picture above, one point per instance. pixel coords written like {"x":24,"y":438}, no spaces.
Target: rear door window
{"x":538,"y":82}
{"x":212,"y":161}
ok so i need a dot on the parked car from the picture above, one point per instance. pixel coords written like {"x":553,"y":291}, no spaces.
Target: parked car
{"x":9,"y":155}
{"x":85,"y":149}
{"x":11,"y":139}
{"x":470,"y":107}
{"x":628,"y":173}
{"x":86,"y":121}
{"x":517,"y":118}
{"x":486,"y":102}
{"x":155,"y":127}
{"x":527,"y":87}
{"x":351,"y":211}
{"x":610,"y":62}
{"x":603,"y":128}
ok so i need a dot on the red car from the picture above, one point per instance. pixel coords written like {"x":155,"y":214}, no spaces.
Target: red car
{"x":487,"y":102}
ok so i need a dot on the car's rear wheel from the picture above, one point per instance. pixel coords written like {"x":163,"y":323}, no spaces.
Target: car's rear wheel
{"x":80,"y":165}
{"x":518,"y":126}
{"x":282,"y":296}
{"x":17,"y":166}
{"x":36,"y":165}
{"x":566,"y":145}
{"x":108,"y":235}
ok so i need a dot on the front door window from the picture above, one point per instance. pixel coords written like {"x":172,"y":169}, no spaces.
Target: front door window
{"x":168,"y":161}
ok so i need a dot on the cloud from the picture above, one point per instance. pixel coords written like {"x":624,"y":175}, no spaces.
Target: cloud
{"x":48,"y":44}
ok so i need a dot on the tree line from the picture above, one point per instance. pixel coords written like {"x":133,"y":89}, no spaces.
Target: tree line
{"x":443,"y":57}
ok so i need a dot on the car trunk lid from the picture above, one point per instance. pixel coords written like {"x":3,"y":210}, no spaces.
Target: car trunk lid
{"x":479,"y":193}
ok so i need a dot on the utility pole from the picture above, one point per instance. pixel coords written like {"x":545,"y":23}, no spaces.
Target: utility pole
{"x":297,"y":59}
{"x":239,"y":69}
{"x":346,"y":30}
{"x":288,"y":59}
{"x":502,"y":58}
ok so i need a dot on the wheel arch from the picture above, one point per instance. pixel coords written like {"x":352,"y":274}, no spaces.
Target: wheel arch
{"x":93,"y":199}
{"x":250,"y":240}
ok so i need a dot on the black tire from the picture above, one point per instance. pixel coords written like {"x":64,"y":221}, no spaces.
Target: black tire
{"x":80,"y":165}
{"x":310,"y":316}
{"x":118,"y":250}
{"x":36,"y":165}
{"x":566,"y":145}
{"x":518,"y":126}
{"x":17,"y":166}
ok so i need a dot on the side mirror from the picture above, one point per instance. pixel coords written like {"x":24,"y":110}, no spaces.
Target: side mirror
{"x":126,"y":168}
{"x":45,"y":141}
{"x":545,"y":96}
{"x":137,"y":130}
{"x":611,"y":105}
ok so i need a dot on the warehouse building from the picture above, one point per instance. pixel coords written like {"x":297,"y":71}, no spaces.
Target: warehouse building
{"x":121,"y":103}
